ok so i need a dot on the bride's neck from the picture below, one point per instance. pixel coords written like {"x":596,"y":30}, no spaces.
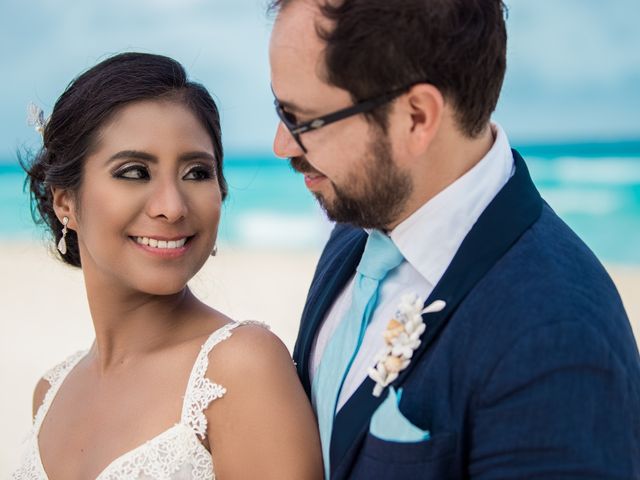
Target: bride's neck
{"x":131,"y":323}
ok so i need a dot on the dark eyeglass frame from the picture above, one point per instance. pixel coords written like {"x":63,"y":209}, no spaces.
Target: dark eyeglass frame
{"x":297,"y":129}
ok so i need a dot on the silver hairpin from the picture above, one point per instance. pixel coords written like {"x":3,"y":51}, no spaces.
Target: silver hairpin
{"x":35,"y":117}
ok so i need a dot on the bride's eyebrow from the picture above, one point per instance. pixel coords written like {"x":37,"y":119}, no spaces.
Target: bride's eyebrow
{"x":197,"y":155}
{"x":132,"y":155}
{"x":139,"y":155}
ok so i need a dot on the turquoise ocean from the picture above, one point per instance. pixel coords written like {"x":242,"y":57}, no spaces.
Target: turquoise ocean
{"x":595,"y":188}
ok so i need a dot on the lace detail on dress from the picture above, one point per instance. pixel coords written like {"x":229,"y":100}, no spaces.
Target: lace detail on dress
{"x":60,"y":371}
{"x":200,"y":390}
{"x":29,"y":467}
{"x":55,"y":377}
{"x":175,"y":454}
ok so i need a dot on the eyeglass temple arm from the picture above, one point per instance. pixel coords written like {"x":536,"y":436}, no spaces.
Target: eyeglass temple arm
{"x":360,"y":107}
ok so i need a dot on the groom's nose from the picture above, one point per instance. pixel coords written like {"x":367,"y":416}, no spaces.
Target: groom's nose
{"x":284,"y":145}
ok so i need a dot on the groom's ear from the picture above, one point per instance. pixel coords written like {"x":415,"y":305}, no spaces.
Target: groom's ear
{"x":423,"y":108}
{"x":64,"y":205}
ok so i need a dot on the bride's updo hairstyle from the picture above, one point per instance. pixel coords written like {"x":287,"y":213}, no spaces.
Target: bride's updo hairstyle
{"x":87,"y":104}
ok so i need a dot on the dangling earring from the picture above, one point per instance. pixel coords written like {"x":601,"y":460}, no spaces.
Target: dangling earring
{"x":62,"y":244}
{"x":214,"y":252}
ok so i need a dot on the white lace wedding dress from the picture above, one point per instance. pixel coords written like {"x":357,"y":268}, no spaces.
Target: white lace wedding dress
{"x":175,"y":454}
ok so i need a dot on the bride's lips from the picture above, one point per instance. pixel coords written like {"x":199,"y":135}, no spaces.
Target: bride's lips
{"x":160,"y":250}
{"x":313,"y":179}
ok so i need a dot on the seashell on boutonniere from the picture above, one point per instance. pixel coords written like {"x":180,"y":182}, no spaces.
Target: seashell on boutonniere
{"x":402,"y":338}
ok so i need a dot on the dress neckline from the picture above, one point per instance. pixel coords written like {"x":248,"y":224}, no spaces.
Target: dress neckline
{"x":117,"y":462}
{"x":57,"y":376}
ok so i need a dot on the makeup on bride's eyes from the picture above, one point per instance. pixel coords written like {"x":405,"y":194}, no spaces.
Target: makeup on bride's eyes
{"x":200,"y":173}
{"x":131,"y":171}
{"x":137,"y":171}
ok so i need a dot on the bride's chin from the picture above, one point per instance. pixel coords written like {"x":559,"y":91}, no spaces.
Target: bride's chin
{"x":160,"y":286}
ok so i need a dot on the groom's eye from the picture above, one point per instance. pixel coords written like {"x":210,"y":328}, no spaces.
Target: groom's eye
{"x":289,"y":117}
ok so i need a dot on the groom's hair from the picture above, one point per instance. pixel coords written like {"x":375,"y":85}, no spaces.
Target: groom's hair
{"x":375,"y":46}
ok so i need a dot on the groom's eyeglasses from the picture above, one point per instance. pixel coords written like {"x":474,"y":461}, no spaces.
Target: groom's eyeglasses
{"x":296,"y":129}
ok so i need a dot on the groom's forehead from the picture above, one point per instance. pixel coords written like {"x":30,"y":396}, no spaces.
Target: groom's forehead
{"x":295,"y":47}
{"x":297,"y":27}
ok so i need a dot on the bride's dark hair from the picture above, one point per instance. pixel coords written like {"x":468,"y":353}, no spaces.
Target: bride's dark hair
{"x":88,"y":102}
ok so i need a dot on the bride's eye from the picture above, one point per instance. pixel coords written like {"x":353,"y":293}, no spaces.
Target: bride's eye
{"x":132,"y":172}
{"x":200,"y":172}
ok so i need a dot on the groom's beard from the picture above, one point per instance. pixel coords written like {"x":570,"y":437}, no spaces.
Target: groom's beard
{"x":372,"y":197}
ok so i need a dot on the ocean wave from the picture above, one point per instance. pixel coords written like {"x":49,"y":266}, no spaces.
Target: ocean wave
{"x":602,"y":171}
{"x":584,"y":201}
{"x":268,"y":229}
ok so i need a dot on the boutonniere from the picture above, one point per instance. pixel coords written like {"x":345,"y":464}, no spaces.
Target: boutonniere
{"x":402,"y":338}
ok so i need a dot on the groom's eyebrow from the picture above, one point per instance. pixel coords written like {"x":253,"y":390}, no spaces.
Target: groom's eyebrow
{"x":290,"y":106}
{"x":293,"y":108}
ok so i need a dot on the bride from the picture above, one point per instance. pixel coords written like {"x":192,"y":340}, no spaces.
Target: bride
{"x":130,"y":183}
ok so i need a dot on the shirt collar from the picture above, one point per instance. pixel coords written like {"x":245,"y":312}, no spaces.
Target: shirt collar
{"x":430,"y":237}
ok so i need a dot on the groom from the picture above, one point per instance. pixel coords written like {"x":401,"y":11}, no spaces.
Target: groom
{"x":455,"y":326}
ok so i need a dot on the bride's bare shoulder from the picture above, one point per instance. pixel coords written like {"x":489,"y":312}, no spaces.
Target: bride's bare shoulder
{"x":248,"y":356}
{"x":264,"y":411}
{"x":42,"y":387}
{"x":251,"y":348}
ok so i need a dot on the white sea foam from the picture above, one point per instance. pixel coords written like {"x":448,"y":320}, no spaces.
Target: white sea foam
{"x":603,"y":171}
{"x":268,"y":229}
{"x":590,"y":201}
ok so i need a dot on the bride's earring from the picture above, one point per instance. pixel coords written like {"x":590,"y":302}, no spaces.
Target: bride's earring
{"x":62,"y":244}
{"x":214,"y":252}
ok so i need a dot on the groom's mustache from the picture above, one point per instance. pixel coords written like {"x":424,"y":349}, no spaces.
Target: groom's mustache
{"x":301,"y":165}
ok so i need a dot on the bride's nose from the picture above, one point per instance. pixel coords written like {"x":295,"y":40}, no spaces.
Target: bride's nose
{"x":167,"y":201}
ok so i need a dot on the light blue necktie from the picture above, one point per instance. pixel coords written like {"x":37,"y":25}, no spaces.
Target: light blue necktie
{"x":379,"y":258}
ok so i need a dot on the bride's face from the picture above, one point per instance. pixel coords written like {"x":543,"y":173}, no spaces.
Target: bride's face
{"x":149,"y":204}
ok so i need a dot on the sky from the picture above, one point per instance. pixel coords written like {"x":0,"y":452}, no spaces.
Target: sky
{"x":573,"y":69}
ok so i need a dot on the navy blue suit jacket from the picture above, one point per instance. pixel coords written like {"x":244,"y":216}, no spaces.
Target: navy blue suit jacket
{"x":531,"y":370}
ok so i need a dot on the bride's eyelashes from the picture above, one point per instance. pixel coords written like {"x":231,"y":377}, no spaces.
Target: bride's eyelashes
{"x":132,"y":171}
{"x":138,"y":171}
{"x":200,"y":173}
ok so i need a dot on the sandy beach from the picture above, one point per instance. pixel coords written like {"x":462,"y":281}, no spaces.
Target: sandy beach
{"x":45,"y":315}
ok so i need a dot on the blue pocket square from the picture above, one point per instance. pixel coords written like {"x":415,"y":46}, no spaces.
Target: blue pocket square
{"x":388,"y":423}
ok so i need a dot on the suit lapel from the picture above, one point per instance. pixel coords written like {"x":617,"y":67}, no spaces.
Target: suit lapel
{"x":514,"y":209}
{"x":326,"y":285}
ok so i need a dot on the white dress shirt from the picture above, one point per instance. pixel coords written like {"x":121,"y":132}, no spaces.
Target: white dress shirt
{"x":428,"y":240}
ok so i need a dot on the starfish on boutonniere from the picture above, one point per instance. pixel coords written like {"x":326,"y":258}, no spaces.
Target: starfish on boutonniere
{"x":402,"y":338}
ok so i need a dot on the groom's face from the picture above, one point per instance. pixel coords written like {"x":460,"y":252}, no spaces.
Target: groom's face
{"x":348,"y":165}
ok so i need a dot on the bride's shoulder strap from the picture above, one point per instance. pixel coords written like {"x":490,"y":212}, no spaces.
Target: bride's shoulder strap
{"x":55,"y":376}
{"x":200,"y":390}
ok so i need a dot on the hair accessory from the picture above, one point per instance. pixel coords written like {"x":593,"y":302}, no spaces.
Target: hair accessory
{"x":62,"y":244}
{"x":35,"y":118}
